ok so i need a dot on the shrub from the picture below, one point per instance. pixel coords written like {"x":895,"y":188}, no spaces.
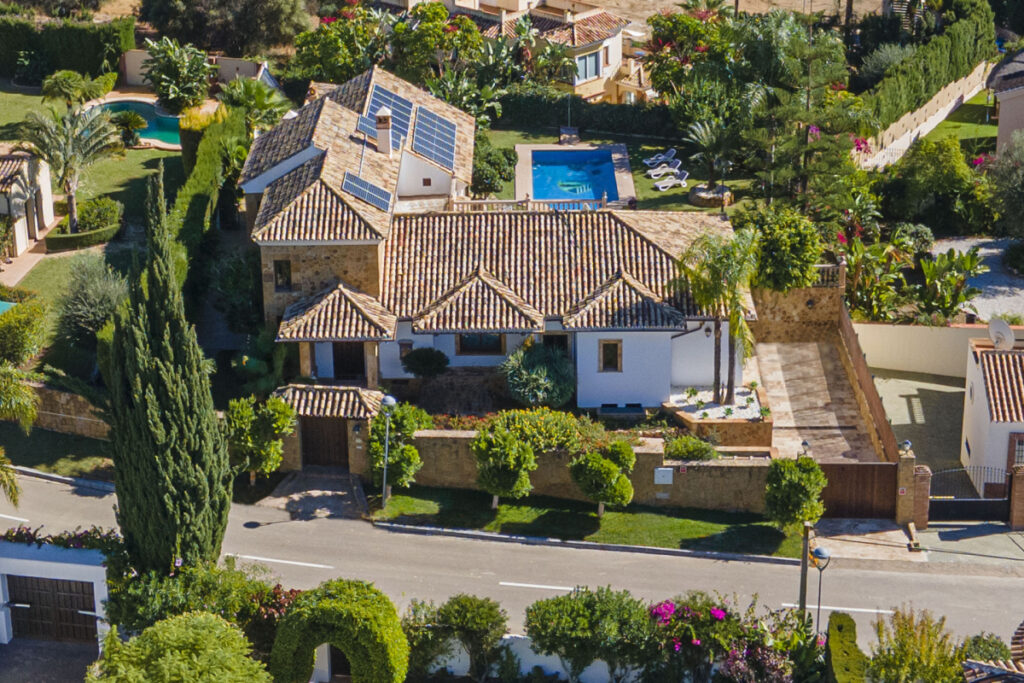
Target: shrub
{"x":689,"y":447}
{"x":788,"y":244}
{"x":539,"y":375}
{"x":1013,"y":257}
{"x":601,"y":481}
{"x":21,"y":331}
{"x":882,"y":59}
{"x":793,"y":491}
{"x":987,"y":647}
{"x":129,"y":123}
{"x":427,"y":641}
{"x":425,"y":362}
{"x":99,"y":213}
{"x":191,"y":126}
{"x":546,"y":430}
{"x":84,"y":46}
{"x":235,"y":286}
{"x":621,"y":453}
{"x":915,"y":647}
{"x":918,"y":237}
{"x":503,"y":464}
{"x":532,"y":107}
{"x":93,"y":293}
{"x":179,"y":74}
{"x":56,"y":241}
{"x":1007,"y":176}
{"x":403,"y":458}
{"x":492,"y":166}
{"x":106,"y":82}
{"x":478,"y":624}
{"x":692,"y":632}
{"x":255,"y":433}
{"x":844,"y":661}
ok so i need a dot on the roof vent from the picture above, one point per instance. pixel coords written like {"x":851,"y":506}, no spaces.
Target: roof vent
{"x":383,"y":116}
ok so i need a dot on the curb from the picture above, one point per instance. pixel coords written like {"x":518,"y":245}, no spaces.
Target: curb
{"x":581,"y":545}
{"x":61,"y":479}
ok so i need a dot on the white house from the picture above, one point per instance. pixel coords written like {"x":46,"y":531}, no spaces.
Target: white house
{"x":25,"y":196}
{"x":1007,"y":81}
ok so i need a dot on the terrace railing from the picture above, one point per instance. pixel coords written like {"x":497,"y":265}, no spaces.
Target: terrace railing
{"x":462,"y":205}
{"x":830,"y":275}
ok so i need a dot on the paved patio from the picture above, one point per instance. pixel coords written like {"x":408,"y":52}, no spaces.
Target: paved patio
{"x":45,"y":661}
{"x":811,"y":399}
{"x":317,"y":492}
{"x":926,"y":409}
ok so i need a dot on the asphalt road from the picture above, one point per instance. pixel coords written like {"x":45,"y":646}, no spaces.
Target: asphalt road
{"x":304,"y":553}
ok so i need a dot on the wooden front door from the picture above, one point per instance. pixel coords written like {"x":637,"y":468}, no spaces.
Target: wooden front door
{"x":51,"y":609}
{"x":349,"y":361}
{"x":325,"y":441}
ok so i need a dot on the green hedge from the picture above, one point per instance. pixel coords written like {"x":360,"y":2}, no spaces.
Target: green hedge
{"x":844,"y":661}
{"x":15,"y":295}
{"x":548,"y":109}
{"x":80,"y":46}
{"x":80,"y":240}
{"x":944,"y":59}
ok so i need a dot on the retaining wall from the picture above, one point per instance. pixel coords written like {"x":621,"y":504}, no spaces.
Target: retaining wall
{"x":68,"y":413}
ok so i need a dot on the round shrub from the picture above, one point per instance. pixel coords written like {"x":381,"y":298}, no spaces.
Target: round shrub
{"x":99,"y":220}
{"x":427,"y":641}
{"x":354,"y":617}
{"x":601,"y":481}
{"x":688,"y":447}
{"x":793,"y":492}
{"x":21,"y":331}
{"x":503,"y":464}
{"x":403,"y":458}
{"x":425,"y":362}
{"x":478,"y":624}
{"x":789,"y":247}
{"x":93,"y":293}
{"x":621,"y":453}
{"x":538,"y":375}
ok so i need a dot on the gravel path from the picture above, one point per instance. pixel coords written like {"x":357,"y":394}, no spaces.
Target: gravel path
{"x":1002,"y":292}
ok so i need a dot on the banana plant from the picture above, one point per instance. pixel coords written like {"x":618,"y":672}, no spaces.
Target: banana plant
{"x":946,"y":289}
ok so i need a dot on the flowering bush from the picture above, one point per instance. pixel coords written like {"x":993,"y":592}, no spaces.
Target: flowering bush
{"x":693,"y":632}
{"x":93,"y":538}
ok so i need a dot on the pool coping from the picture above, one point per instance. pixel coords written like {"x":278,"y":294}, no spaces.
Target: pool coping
{"x":620,"y":163}
{"x":147,"y":98}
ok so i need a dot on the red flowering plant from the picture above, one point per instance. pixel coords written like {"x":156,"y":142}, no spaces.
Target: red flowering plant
{"x":693,"y":631}
{"x":93,"y":538}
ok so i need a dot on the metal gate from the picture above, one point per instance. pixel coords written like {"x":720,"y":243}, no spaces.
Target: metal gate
{"x":970,"y":494}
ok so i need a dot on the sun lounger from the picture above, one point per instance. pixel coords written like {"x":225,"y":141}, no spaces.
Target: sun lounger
{"x":677,"y":180}
{"x":665,"y":169}
{"x":661,"y":157}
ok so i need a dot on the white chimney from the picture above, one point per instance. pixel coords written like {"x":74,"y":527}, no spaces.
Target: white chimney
{"x":384,"y":130}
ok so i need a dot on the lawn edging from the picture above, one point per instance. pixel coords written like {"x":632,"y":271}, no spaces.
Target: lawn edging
{"x":80,"y":482}
{"x":579,"y":545}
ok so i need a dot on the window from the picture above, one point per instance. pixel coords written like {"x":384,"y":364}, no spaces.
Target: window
{"x":606,"y":56}
{"x":426,"y":182}
{"x":480,"y":345}
{"x":282,"y":276}
{"x":588,"y":66}
{"x":609,"y":355}
{"x":404,"y":347}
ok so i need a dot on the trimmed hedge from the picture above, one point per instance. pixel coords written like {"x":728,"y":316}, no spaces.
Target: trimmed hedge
{"x":79,"y":46}
{"x":15,"y":295}
{"x":844,"y":661}
{"x":944,"y":59}
{"x":191,"y":127}
{"x":354,"y":617}
{"x":80,"y":240}
{"x":548,"y":109}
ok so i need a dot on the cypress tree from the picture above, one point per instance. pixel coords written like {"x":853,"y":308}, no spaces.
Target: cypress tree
{"x":170,"y":460}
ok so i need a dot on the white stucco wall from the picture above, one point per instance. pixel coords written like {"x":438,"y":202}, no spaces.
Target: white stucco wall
{"x":411,"y":175}
{"x":645,"y":379}
{"x":989,"y":440}
{"x":693,"y":359}
{"x":391,"y":364}
{"x":920,"y":348}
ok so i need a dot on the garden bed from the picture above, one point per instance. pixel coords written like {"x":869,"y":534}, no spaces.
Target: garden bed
{"x":753,"y":430}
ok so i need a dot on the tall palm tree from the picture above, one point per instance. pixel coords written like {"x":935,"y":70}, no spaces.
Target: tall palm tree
{"x":701,"y":270}
{"x":706,"y":7}
{"x":17,"y":402}
{"x":70,"y":143}
{"x":713,"y":144}
{"x":739,"y":262}
{"x":263,"y":105}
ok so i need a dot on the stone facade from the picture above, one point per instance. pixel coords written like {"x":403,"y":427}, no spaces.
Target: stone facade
{"x":314,"y":267}
{"x":1017,"y":499}
{"x":922,"y":490}
{"x":67,"y":413}
{"x":807,"y":314}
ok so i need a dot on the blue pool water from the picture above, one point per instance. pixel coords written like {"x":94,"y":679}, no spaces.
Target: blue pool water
{"x":5,"y":306}
{"x":574,"y":174}
{"x":162,"y":128}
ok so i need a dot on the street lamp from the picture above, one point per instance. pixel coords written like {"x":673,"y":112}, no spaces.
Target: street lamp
{"x":821,"y":557}
{"x":387,"y":404}
{"x":805,"y":448}
{"x":905,"y":447}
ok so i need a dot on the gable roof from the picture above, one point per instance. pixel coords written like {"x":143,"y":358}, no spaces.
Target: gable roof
{"x":11,"y":168}
{"x":282,"y":142}
{"x":480,"y":303}
{"x":337,"y":313}
{"x":623,"y":303}
{"x":317,"y":400}
{"x":1003,"y":373}
{"x":1008,"y":74}
{"x":591,"y":28}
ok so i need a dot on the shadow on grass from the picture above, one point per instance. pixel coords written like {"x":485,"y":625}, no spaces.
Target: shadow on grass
{"x":565,"y":524}
{"x":64,"y":454}
{"x":756,"y":539}
{"x":970,"y":113}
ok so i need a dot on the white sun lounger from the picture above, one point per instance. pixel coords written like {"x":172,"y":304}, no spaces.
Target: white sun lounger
{"x":677,"y":180}
{"x":661,"y":157}
{"x":670,"y":167}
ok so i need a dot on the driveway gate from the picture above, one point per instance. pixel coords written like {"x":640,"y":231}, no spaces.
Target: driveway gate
{"x":970,"y":494}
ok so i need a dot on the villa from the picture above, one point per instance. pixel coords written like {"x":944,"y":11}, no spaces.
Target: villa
{"x":25,"y":196}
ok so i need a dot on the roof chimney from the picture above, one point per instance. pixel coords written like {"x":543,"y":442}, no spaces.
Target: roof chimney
{"x":384,"y":130}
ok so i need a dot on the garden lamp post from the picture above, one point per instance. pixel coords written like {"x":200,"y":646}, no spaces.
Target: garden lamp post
{"x":387,"y":405}
{"x":821,"y":557}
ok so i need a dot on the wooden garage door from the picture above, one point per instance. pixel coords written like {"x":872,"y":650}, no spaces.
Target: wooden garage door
{"x":324,"y":441}
{"x":51,"y":609}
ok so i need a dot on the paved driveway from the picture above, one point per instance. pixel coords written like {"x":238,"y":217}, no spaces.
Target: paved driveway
{"x":1002,"y":292}
{"x":44,"y":661}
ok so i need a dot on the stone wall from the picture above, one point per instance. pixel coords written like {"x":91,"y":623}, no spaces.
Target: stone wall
{"x":1017,"y":499}
{"x":807,"y":314}
{"x":68,"y":413}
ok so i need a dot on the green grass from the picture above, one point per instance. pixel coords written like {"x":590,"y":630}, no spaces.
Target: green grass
{"x":123,"y":177}
{"x":14,"y":104}
{"x":969,"y":125}
{"x":639,"y":148}
{"x":71,"y":456}
{"x":553,"y":518}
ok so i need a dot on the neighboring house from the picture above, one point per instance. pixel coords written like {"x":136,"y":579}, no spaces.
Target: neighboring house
{"x":993,"y":428}
{"x":1011,"y":670}
{"x":228,"y":69}
{"x":1007,"y":80}
{"x":362,"y":262}
{"x":25,"y":196}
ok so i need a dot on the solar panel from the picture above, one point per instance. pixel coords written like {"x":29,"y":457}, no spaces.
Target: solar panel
{"x":368,"y":125}
{"x":401,"y":113}
{"x":368,"y":192}
{"x":434,"y":138}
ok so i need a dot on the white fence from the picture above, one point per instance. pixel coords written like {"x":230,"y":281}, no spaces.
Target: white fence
{"x":918,"y":348}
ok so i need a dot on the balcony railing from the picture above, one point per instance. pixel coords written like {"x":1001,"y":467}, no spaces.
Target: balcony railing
{"x":461,"y":205}
{"x":830,"y":275}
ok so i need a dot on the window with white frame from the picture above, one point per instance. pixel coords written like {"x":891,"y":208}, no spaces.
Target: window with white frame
{"x":588,"y":67}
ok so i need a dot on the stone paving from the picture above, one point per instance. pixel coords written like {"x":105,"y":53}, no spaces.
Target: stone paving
{"x":811,"y":399}
{"x":865,"y":539}
{"x":1001,"y":290}
{"x":317,"y":492}
{"x":45,"y":661}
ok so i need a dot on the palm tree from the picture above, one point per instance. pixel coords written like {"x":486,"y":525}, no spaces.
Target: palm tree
{"x":455,"y":87}
{"x":739,"y":262}
{"x":17,"y":402}
{"x":702,"y":274}
{"x":129,"y":123}
{"x":713,"y":143}
{"x":263,"y":105}
{"x":70,"y":87}
{"x":706,"y":7}
{"x":70,"y":143}
{"x":554,"y":62}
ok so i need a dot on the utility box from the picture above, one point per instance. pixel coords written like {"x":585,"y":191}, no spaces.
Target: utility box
{"x":663,"y":476}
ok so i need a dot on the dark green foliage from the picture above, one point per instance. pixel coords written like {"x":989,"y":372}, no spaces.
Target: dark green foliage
{"x":503,"y":463}
{"x":427,"y":641}
{"x":788,"y":246}
{"x":425,"y":362}
{"x":689,"y":447}
{"x":235,"y":286}
{"x":987,"y":647}
{"x":539,"y":375}
{"x":532,"y":107}
{"x":403,"y":459}
{"x":882,"y":60}
{"x":793,"y":491}
{"x":178,"y":73}
{"x":81,"y":46}
{"x":478,"y":624}
{"x":93,"y":293}
{"x":601,"y":480}
{"x":21,"y":331}
{"x":260,"y":365}
{"x":240,"y":28}
{"x":620,"y":453}
{"x":171,"y":468}
{"x":1007,"y":176}
{"x":97,"y":214}
{"x":844,"y":661}
{"x":492,"y":166}
{"x":255,"y":431}
{"x":57,"y":241}
{"x":354,"y":617}
{"x":1013,"y":257}
{"x":1009,"y":13}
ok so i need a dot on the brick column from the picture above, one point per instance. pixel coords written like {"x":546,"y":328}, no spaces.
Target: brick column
{"x":291,"y":458}
{"x":905,"y":488}
{"x":922,"y":491}
{"x":358,"y":455}
{"x":1017,"y":498}
{"x":305,"y":359}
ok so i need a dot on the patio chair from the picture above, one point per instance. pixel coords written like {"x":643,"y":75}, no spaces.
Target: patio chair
{"x":661,"y":157}
{"x":670,"y":167}
{"x":677,"y":180}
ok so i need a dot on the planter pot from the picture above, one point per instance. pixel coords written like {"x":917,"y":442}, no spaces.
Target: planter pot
{"x":700,"y":195}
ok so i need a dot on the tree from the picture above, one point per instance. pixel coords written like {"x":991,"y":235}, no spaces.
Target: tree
{"x":603,"y":480}
{"x":792,"y":493}
{"x":492,"y":166}
{"x":255,"y":433}
{"x":342,"y":48}
{"x":478,"y":624}
{"x":93,"y":293}
{"x":915,"y":647}
{"x":539,"y":375}
{"x":788,"y":246}
{"x":239,"y":27}
{"x":428,"y":40}
{"x":403,"y":458}
{"x":428,"y":641}
{"x":18,"y":402}
{"x":264,"y":106}
{"x":503,"y":464}
{"x":1007,"y":176}
{"x":71,"y":88}
{"x":179,"y":74}
{"x":69,"y":144}
{"x":713,"y":144}
{"x":170,"y":461}
{"x":197,"y":646}
{"x":701,"y":274}
{"x":129,"y":123}
{"x":740,"y":262}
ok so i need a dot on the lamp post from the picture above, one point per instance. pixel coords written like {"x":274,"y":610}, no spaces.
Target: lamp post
{"x":387,"y":404}
{"x":821,"y":557}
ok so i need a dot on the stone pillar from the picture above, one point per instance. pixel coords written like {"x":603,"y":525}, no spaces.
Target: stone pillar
{"x":905,"y":488}
{"x":1017,"y":499}
{"x":358,"y":452}
{"x":306,"y":359}
{"x":291,"y":457}
{"x":371,"y":360}
{"x":922,"y":491}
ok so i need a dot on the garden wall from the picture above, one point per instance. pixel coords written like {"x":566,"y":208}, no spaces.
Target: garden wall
{"x":920,"y":348}
{"x":728,"y":431}
{"x":806,"y":314}
{"x":68,"y":413}
{"x":883,"y":440}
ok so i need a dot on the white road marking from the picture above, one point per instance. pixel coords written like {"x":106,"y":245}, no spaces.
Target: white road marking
{"x":271,"y":559}
{"x":16,"y":519}
{"x":842,"y":609}
{"x":534,"y":585}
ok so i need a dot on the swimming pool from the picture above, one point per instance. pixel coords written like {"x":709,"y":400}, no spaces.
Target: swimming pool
{"x":574,"y":174}
{"x":5,"y":306}
{"x":161,"y":128}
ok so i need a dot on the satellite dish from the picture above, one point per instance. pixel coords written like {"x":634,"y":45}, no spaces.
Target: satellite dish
{"x":1001,"y":334}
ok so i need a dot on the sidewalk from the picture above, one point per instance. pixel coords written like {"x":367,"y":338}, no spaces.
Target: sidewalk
{"x":12,"y":273}
{"x":989,"y":543}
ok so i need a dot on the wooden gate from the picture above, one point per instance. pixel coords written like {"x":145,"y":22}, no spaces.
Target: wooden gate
{"x":325,"y":441}
{"x":862,"y":490}
{"x":52,"y":609}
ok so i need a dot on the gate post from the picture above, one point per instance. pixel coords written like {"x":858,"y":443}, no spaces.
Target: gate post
{"x":922,"y":494}
{"x":1016,"y":520}
{"x":905,"y":488}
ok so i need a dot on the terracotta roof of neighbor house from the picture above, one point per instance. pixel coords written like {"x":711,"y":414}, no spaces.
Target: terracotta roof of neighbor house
{"x":1003,"y":372}
{"x":1008,"y":74}
{"x":479,"y":303}
{"x":589,"y":29}
{"x":11,"y":167}
{"x":337,"y":313}
{"x":317,"y":400}
{"x":623,"y":303}
{"x":990,"y":671}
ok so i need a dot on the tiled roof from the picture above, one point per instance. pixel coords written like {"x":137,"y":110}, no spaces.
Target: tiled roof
{"x":338,"y":313}
{"x":623,"y":303}
{"x":480,"y":303}
{"x":11,"y":167}
{"x":583,"y":31}
{"x":991,"y":671}
{"x":1003,"y":372}
{"x":1008,"y":74}
{"x":281,"y":142}
{"x":315,"y":400}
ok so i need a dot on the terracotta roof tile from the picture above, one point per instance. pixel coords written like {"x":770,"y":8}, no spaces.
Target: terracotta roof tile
{"x":1003,"y":372}
{"x":338,"y":313}
{"x":584,"y":31}
{"x":480,"y":303}
{"x":281,"y":142}
{"x":315,"y":400}
{"x":990,"y":671}
{"x":623,"y":303}
{"x":11,"y":167}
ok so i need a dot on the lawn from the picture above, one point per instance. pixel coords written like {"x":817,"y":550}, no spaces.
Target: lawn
{"x":639,"y":148}
{"x":71,"y":456}
{"x":970,"y":125}
{"x":553,"y":518}
{"x":14,"y":104}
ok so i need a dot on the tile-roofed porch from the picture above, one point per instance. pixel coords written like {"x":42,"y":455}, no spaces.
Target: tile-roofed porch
{"x":623,"y":303}
{"x":339,"y":313}
{"x":325,"y":400}
{"x":480,"y":303}
{"x":12,"y":167}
